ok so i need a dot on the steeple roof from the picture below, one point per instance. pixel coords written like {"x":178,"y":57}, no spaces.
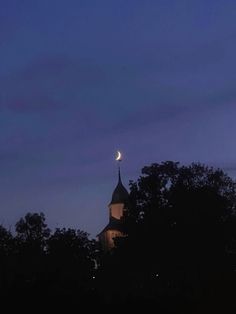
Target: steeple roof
{"x":114,"y":224}
{"x":120,"y":194}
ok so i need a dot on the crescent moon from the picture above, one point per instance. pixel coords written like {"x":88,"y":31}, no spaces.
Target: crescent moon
{"x":118,"y":156}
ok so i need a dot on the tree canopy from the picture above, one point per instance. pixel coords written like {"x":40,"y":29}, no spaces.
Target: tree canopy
{"x":181,"y":234}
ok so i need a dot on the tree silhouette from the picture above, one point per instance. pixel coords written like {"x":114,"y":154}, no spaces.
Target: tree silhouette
{"x":28,"y":260}
{"x":6,"y":242}
{"x":33,"y":229}
{"x":71,"y":260}
{"x":180,"y":225}
{"x":6,"y":250}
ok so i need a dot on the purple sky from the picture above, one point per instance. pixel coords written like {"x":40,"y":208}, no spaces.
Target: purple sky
{"x":81,"y":79}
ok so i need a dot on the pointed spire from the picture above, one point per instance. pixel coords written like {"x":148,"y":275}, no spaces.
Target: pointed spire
{"x":120,"y":194}
{"x":119,"y":159}
{"x":119,"y":176}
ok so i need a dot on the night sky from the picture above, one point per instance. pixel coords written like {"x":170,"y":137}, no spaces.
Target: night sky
{"x":81,"y":79}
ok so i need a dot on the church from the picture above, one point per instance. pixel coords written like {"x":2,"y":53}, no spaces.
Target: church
{"x":117,"y":207}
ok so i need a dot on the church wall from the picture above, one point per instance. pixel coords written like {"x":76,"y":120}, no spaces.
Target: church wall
{"x":107,"y":237}
{"x":110,"y":235}
{"x":116,"y":210}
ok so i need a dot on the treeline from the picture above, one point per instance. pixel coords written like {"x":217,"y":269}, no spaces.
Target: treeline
{"x":38,"y":261}
{"x":179,"y":253}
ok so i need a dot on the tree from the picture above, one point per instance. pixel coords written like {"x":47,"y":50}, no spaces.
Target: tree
{"x":178,"y":233}
{"x":6,"y":251}
{"x":32,"y":228}
{"x":71,"y":260}
{"x":30,"y":250}
{"x":6,"y":242}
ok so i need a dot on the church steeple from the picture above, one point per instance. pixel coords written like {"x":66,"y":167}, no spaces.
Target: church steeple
{"x":120,"y":194}
{"x":117,"y":207}
{"x":119,"y":176}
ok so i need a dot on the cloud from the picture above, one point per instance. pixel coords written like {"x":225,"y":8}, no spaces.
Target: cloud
{"x":49,"y":84}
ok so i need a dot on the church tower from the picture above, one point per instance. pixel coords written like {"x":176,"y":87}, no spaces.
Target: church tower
{"x":117,"y":206}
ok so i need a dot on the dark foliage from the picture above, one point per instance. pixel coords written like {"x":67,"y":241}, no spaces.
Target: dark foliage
{"x":179,"y":255}
{"x":36,"y":263}
{"x":180,"y":249}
